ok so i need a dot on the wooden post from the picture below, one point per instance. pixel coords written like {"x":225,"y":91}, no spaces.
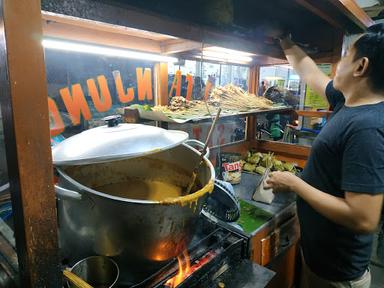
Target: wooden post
{"x":253,"y":86}
{"x":253,"y":79}
{"x":161,"y":80}
{"x":23,"y":98}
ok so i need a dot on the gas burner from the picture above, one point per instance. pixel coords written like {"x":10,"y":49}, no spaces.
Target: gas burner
{"x":215,"y":256}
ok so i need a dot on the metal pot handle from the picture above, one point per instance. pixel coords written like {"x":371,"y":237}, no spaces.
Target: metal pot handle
{"x":65,"y":193}
{"x":197,"y":143}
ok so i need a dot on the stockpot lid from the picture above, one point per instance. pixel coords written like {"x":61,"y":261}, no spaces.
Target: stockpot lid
{"x":113,"y":142}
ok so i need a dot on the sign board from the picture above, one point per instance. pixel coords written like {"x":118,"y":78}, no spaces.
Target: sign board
{"x":314,"y":100}
{"x":77,"y":106}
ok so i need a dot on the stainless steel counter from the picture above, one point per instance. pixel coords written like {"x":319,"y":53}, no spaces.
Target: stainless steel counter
{"x":282,"y":207}
{"x":248,"y":184}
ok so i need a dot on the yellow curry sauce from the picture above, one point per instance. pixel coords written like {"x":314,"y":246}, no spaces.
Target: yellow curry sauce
{"x":140,"y":189}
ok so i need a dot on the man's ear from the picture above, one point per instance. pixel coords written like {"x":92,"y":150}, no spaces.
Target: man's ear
{"x":361,"y":67}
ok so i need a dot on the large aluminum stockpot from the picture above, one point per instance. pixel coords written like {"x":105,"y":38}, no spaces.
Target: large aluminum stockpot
{"x":137,"y":233}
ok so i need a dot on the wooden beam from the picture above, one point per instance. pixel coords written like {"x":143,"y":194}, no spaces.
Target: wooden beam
{"x":309,"y":113}
{"x":253,"y":79}
{"x":353,"y":12}
{"x":322,"y":14}
{"x":131,"y":17}
{"x":100,"y":37}
{"x":23,"y":98}
{"x":251,"y":128}
{"x":345,"y":8}
{"x":102,"y":26}
{"x":179,"y":45}
{"x":301,"y":151}
{"x":253,"y":86}
{"x":294,"y":153}
{"x":161,"y":84}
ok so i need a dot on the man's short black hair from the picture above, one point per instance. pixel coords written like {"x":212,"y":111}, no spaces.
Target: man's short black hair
{"x":371,"y":45}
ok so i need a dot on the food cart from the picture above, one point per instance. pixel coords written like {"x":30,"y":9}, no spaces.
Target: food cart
{"x":168,"y":29}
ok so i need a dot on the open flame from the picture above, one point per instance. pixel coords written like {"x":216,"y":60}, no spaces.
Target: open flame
{"x":185,"y":268}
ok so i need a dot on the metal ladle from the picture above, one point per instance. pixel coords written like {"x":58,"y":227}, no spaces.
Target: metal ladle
{"x":200,"y":161}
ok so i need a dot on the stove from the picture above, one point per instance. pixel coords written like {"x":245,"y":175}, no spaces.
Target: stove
{"x":216,"y":257}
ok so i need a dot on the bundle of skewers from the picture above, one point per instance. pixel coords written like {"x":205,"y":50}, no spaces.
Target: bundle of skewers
{"x":231,"y":97}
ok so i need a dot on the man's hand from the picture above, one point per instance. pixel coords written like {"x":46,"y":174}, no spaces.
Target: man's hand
{"x":303,"y":65}
{"x":360,"y":212}
{"x":281,"y":181}
{"x":286,"y":42}
{"x":274,"y":30}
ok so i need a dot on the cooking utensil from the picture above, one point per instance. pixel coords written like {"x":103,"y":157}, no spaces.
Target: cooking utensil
{"x":115,"y":142}
{"x":98,"y":271}
{"x":139,"y":234}
{"x":200,"y":161}
{"x":75,"y":280}
{"x":222,"y":203}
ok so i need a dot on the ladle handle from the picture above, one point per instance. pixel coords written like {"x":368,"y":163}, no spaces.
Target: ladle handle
{"x":196,"y":170}
{"x":76,"y":280}
{"x":200,"y":144}
{"x":211,"y":130}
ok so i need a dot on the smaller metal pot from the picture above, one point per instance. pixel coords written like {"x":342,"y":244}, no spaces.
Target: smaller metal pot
{"x":98,"y":271}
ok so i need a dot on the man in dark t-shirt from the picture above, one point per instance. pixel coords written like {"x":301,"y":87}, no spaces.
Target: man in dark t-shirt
{"x":340,"y":192}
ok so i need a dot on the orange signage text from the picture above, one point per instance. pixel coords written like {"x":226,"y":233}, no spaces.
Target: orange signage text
{"x":77,"y":106}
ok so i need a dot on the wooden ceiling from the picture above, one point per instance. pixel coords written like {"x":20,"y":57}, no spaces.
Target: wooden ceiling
{"x":235,"y":24}
{"x":100,"y":33}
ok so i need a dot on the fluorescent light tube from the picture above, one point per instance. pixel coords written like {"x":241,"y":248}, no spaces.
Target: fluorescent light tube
{"x":220,"y":54}
{"x":106,"y":51}
{"x":227,"y":56}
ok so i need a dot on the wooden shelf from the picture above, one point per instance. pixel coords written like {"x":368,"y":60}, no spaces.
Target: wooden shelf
{"x":308,"y":113}
{"x":134,"y":113}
